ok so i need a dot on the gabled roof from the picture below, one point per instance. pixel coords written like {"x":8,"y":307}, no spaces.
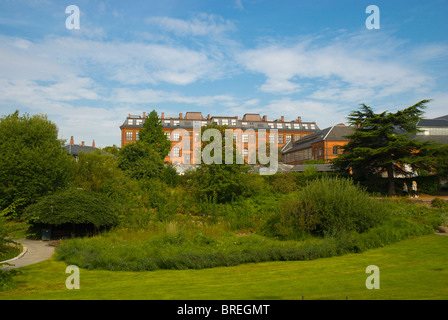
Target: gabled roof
{"x":75,"y":149}
{"x":433,"y":122}
{"x":442,"y":118}
{"x":334,"y":133}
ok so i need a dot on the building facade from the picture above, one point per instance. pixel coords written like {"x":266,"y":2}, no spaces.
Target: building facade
{"x":321,"y":145}
{"x":247,"y":132}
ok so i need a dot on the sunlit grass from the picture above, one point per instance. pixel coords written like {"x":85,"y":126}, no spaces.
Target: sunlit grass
{"x":411,"y":269}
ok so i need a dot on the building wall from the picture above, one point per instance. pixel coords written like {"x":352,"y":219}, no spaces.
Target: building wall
{"x":247,"y":136}
{"x":320,"y":150}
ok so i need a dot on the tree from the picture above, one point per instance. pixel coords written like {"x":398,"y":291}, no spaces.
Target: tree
{"x":94,"y":169}
{"x":144,"y":158}
{"x":218,"y":182}
{"x":112,"y":150}
{"x":381,"y":144}
{"x":140,"y":160}
{"x":152,"y":134}
{"x":32,"y":160}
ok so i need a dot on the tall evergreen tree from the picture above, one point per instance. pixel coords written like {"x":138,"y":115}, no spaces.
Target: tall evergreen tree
{"x":381,"y":144}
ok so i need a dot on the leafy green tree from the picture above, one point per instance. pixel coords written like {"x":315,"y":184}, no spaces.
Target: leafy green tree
{"x":219,"y":182}
{"x":112,"y":150}
{"x":32,"y":161}
{"x":140,"y":160}
{"x":381,"y":144}
{"x":94,"y":169}
{"x":152,"y":134}
{"x":144,"y":158}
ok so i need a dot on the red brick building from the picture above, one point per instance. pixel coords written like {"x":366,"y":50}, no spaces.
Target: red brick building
{"x":180,"y":129}
{"x":321,"y":145}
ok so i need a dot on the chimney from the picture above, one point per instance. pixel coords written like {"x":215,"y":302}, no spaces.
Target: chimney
{"x":299,"y":119}
{"x":180,"y":115}
{"x":93,"y":143}
{"x":129,"y":115}
{"x":265,"y":118}
{"x":163,"y":115}
{"x":144,"y":115}
{"x":283,"y":118}
{"x":72,"y":142}
{"x":82,"y":143}
{"x":208,"y":117}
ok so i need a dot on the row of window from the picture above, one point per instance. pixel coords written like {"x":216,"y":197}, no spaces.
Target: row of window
{"x":245,"y":137}
{"x":233,"y":122}
{"x":307,"y":154}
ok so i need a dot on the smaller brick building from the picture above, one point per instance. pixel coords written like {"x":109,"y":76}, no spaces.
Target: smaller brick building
{"x":321,"y":145}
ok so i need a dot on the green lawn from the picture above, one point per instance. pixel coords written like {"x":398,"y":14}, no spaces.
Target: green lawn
{"x":411,"y":269}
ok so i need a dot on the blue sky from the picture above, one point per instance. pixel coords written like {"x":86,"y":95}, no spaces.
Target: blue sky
{"x":314,"y":59}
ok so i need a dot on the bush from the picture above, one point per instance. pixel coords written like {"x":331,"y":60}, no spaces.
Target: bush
{"x":7,"y":281}
{"x":326,"y":206}
{"x":284,"y":183}
{"x":73,"y":206}
{"x":439,"y":203}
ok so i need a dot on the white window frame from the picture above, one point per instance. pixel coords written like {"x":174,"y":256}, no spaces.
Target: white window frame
{"x":176,"y":152}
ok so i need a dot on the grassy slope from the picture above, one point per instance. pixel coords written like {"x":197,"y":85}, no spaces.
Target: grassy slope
{"x":412,"y":269}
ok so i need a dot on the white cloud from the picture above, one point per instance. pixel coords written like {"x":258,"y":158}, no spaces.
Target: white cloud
{"x":150,"y":96}
{"x":199,"y":25}
{"x":348,"y":61}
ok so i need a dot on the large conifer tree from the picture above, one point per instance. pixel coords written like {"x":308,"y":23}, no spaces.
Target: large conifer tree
{"x":381,"y":143}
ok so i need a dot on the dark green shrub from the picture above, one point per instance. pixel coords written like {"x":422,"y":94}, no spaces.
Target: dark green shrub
{"x":74,"y":206}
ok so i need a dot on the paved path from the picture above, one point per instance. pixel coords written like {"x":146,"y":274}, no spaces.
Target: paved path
{"x":33,"y":251}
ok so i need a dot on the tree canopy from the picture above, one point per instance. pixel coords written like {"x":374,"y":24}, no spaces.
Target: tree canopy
{"x":32,"y":161}
{"x":144,"y":158}
{"x":219,"y":182}
{"x":381,"y":143}
{"x":94,"y":169}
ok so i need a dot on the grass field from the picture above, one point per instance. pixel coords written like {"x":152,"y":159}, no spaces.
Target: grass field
{"x":411,"y":269}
